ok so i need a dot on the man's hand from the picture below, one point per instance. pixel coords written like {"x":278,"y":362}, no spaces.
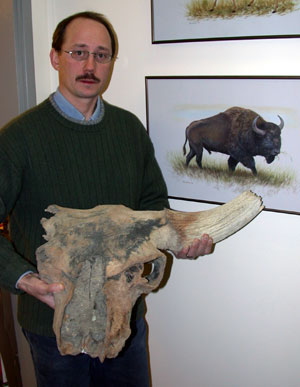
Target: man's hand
{"x":33,"y":285}
{"x":198,"y":248}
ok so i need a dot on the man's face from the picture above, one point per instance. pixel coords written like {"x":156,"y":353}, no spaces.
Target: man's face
{"x":82,"y":79}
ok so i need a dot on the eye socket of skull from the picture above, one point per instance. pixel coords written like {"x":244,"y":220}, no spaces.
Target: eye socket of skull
{"x":149,"y":270}
{"x":152,"y":269}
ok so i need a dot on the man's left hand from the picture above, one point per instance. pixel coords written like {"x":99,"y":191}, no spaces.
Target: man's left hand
{"x":199,"y":247}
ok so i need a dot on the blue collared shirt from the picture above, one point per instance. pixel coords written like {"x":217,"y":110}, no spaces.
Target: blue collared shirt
{"x":67,"y":108}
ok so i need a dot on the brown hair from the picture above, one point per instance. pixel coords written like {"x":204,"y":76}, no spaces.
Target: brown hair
{"x":59,"y":33}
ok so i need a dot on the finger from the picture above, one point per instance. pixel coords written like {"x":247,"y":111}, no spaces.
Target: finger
{"x":201,"y":247}
{"x":183,"y":252}
{"x":55,"y":287}
{"x":45,"y":293}
{"x":190,"y":252}
{"x":196,"y":248}
{"x":209,"y":246}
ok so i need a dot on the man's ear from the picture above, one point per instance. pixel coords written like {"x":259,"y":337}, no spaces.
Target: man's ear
{"x":54,"y":58}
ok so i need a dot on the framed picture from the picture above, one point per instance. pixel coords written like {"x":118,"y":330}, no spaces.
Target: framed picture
{"x":195,"y":20}
{"x":216,"y":137}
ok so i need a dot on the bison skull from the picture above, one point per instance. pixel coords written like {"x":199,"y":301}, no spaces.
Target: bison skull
{"x":99,"y":256}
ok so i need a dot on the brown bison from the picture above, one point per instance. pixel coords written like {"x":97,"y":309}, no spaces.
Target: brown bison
{"x":237,"y":132}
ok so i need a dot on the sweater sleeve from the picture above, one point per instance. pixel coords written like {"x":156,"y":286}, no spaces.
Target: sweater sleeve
{"x":154,"y":191}
{"x":12,"y":265}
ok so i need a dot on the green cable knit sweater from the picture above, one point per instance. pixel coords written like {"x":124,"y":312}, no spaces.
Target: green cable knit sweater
{"x":46,"y":159}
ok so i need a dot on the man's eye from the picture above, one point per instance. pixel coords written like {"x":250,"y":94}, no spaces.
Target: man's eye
{"x":101,"y":55}
{"x":78,"y":53}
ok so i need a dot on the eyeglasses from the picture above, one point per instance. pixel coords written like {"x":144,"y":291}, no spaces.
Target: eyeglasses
{"x":100,"y":57}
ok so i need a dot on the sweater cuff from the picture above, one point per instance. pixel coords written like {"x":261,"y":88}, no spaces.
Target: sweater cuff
{"x":23,"y":275}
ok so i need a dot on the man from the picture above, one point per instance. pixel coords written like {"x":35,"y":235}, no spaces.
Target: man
{"x":75,"y":150}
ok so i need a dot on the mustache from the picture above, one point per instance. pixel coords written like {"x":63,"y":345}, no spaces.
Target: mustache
{"x":87,"y":76}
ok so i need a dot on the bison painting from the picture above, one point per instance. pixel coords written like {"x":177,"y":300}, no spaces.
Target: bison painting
{"x":237,"y":132}
{"x":251,"y":3}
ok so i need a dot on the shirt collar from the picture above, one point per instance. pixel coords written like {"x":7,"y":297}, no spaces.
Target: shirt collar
{"x":67,"y":108}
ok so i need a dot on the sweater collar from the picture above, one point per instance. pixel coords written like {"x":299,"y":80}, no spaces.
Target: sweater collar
{"x":78,"y":121}
{"x":71,"y":112}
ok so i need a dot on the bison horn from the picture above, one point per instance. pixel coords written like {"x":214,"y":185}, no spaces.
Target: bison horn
{"x":281,"y":125}
{"x":261,"y":132}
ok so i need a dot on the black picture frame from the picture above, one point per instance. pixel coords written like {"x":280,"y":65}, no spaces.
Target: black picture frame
{"x":173,"y":102}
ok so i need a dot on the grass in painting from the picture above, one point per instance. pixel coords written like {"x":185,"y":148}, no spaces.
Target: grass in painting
{"x":204,"y":9}
{"x":218,"y":172}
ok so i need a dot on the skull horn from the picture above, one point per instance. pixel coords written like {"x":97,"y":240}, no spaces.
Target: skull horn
{"x":219,"y":223}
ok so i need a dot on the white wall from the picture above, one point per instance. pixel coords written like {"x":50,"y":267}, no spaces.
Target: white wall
{"x":232,"y":318}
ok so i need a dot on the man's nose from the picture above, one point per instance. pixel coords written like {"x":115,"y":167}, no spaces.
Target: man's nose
{"x":90,"y":63}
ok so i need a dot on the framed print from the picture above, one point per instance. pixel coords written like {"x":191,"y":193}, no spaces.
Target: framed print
{"x":216,"y":137}
{"x":195,"y":20}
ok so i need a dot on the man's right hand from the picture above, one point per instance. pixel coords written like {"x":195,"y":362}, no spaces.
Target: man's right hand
{"x":33,"y":285}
